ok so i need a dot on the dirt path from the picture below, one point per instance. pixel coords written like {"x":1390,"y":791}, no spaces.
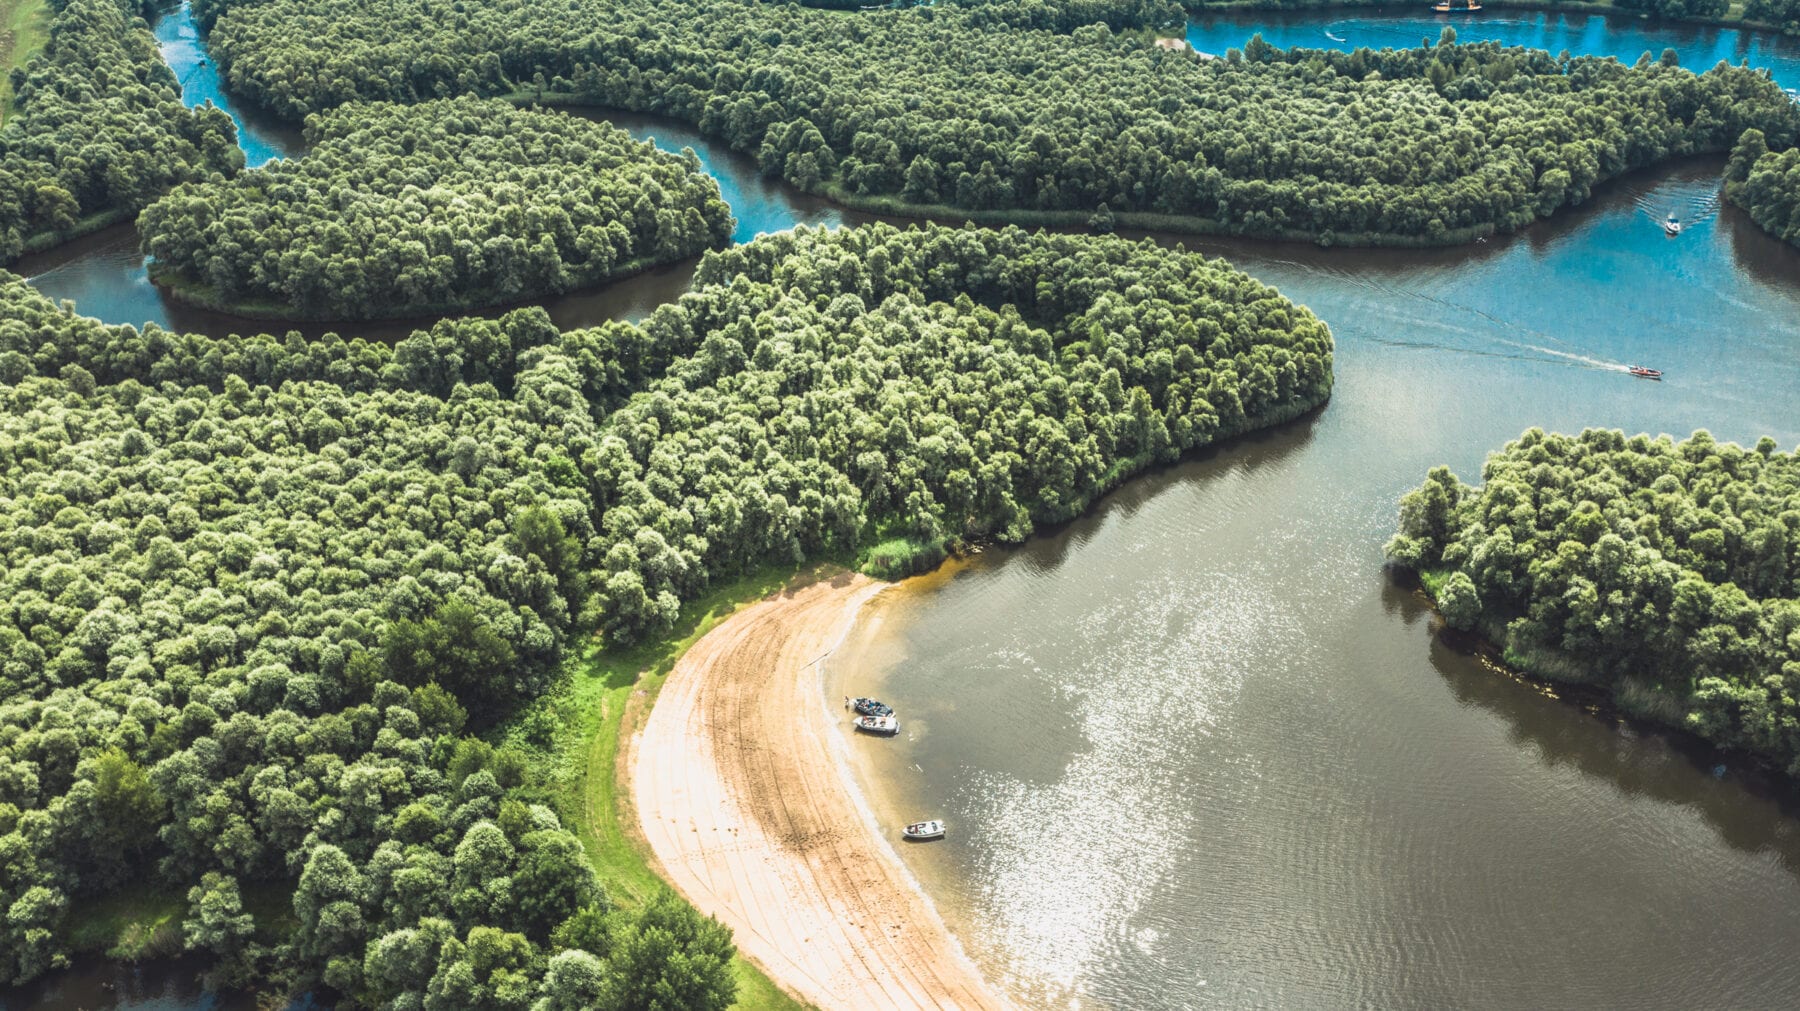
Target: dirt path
{"x":745,"y":800}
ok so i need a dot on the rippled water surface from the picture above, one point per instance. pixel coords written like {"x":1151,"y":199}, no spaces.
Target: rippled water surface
{"x":1198,"y":750}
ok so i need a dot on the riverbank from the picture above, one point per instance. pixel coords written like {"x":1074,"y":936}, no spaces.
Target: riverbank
{"x":743,"y":793}
{"x":1646,"y":708}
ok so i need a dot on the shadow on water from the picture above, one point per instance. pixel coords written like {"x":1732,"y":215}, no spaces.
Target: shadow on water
{"x":1638,"y":758}
{"x":1244,"y":455}
{"x":93,"y":984}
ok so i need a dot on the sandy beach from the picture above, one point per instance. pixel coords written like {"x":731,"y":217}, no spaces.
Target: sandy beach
{"x":744,"y":796}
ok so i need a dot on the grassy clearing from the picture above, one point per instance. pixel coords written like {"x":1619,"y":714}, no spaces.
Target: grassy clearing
{"x":131,"y":924}
{"x":24,"y":28}
{"x":574,"y":735}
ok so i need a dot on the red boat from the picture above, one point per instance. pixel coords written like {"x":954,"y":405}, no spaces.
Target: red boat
{"x":1644,"y":373}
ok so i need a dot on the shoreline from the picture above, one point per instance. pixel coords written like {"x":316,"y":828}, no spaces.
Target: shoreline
{"x":1601,"y":701}
{"x":740,"y":779}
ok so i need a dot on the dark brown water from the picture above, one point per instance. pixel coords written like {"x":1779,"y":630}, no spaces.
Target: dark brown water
{"x":93,"y":984}
{"x":1197,"y":750}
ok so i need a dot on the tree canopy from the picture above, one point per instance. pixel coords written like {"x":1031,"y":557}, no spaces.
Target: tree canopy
{"x":258,"y":593}
{"x":403,"y":210}
{"x":100,"y":129}
{"x":1032,"y":111}
{"x":1766,"y":184}
{"x":929,"y":385}
{"x":1666,"y":571}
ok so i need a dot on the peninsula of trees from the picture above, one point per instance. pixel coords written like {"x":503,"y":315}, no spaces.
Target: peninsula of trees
{"x":258,"y":593}
{"x":1667,"y":573}
{"x":98,"y":130}
{"x":1035,"y":112}
{"x":1766,"y":184}
{"x":404,"y":210}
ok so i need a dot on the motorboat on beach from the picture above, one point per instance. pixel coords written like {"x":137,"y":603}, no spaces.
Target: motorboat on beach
{"x":888,"y":725}
{"x":870,"y":707}
{"x":1644,"y":373}
{"x":1672,"y":224}
{"x":922,"y":830}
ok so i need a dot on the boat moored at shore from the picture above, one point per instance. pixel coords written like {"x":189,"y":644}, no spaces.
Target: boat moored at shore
{"x":922,"y":830}
{"x":885,"y":725}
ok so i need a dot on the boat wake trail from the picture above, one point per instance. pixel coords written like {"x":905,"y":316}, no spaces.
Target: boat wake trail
{"x":1692,"y":203}
{"x":1586,"y":360}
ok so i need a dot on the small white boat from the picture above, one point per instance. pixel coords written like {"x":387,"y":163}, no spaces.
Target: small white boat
{"x":1672,"y":224}
{"x":889,"y":725}
{"x":924,"y":830}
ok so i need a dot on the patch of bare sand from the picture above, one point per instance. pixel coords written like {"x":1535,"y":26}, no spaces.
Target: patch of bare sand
{"x":751,"y":814}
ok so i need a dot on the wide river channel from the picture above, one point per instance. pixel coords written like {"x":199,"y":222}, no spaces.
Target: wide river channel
{"x":1197,"y":749}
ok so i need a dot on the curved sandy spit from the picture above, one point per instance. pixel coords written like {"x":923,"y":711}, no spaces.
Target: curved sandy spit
{"x":746,"y":802}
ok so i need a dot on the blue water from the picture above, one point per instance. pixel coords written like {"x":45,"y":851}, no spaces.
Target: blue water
{"x":1622,"y":37}
{"x":179,"y":39}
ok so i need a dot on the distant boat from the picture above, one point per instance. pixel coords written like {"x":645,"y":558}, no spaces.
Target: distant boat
{"x":1644,"y":373}
{"x":922,"y":830}
{"x":888,"y":725}
{"x":1445,"y":6}
{"x":1672,"y":224}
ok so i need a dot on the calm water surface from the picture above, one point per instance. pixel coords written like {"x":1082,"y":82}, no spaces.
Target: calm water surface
{"x":105,"y":276}
{"x":92,"y":985}
{"x":1196,"y":749}
{"x":1403,"y":26}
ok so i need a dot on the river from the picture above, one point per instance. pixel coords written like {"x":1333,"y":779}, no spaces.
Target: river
{"x":1197,"y":749}
{"x":1399,"y":27}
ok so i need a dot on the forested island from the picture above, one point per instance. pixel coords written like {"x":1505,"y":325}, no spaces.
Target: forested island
{"x":401,"y":210}
{"x":1036,"y":113}
{"x":1665,"y":573}
{"x":1766,"y":184}
{"x":98,"y":130}
{"x":259,"y":593}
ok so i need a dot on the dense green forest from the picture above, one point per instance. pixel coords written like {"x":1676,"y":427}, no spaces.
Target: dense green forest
{"x":98,"y":129}
{"x":258,"y":593}
{"x":1766,"y":184}
{"x":925,"y":386}
{"x":1029,"y":112}
{"x":252,"y":591}
{"x":402,"y":210}
{"x":1666,"y":572}
{"x":1783,"y":14}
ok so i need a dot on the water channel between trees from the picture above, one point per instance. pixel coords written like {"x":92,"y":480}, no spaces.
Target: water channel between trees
{"x":1196,"y":748}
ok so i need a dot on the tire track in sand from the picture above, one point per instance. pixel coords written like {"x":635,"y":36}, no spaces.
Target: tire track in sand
{"x":748,"y":809}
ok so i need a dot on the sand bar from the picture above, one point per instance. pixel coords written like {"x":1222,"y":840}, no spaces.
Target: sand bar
{"x":747,"y":804}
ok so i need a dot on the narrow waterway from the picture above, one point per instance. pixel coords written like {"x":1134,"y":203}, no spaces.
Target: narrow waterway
{"x":1196,"y":749}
